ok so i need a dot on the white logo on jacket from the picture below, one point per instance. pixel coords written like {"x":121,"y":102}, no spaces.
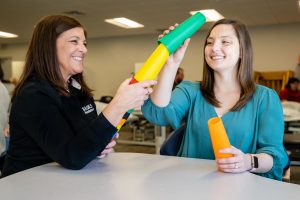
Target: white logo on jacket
{"x":88,"y":108}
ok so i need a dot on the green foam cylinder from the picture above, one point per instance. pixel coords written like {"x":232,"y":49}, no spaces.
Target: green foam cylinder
{"x":185,"y":30}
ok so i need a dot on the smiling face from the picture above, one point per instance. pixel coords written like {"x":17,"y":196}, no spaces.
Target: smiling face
{"x":71,"y":50}
{"x":222,"y":50}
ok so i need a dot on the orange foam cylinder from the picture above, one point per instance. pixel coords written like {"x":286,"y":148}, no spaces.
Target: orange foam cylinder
{"x":218,"y":137}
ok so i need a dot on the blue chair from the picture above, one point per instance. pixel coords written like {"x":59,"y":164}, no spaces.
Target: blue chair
{"x":171,"y":145}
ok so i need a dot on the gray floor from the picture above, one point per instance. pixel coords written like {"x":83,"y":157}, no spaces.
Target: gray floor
{"x":126,"y":134}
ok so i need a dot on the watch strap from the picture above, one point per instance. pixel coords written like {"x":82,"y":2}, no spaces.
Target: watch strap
{"x":254,"y":163}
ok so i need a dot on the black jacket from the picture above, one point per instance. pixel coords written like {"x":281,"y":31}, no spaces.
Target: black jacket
{"x":47,"y":127}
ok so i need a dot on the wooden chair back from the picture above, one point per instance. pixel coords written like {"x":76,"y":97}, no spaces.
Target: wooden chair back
{"x":273,"y":79}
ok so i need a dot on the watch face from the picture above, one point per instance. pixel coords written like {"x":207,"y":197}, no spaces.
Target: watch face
{"x":255,"y":162}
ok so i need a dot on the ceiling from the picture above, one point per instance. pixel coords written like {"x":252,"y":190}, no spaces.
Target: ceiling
{"x":20,"y":16}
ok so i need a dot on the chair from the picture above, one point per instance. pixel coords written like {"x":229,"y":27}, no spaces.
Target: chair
{"x":171,"y":145}
{"x":143,"y":130}
{"x":273,"y":79}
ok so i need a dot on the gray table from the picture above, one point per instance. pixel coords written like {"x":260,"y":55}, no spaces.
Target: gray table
{"x":130,"y":176}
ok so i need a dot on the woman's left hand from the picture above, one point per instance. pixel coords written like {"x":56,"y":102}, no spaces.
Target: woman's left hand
{"x":109,"y":148}
{"x":240,"y":162}
{"x":175,"y":58}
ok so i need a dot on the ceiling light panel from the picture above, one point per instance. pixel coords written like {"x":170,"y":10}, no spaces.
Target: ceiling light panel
{"x":7,"y":35}
{"x":124,"y":22}
{"x":211,"y":15}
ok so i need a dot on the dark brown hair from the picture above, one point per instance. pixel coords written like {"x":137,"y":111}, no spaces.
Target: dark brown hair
{"x":41,"y":59}
{"x":245,"y":69}
{"x":291,"y":81}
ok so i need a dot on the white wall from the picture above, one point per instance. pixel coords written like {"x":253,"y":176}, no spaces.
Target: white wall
{"x":276,"y":47}
{"x":111,"y":60}
{"x":17,"y":68}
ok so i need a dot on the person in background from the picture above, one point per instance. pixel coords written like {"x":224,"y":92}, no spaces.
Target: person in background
{"x":297,"y":68}
{"x":291,"y":91}
{"x":4,"y":107}
{"x":178,"y":77}
{"x":9,"y":84}
{"x":53,"y":116}
{"x":252,"y":114}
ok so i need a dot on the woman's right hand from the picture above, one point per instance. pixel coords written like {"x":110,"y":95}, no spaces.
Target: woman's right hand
{"x":175,"y":59}
{"x":127,"y":97}
{"x":132,"y":96}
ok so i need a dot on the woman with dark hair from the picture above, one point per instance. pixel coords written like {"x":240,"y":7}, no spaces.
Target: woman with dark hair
{"x":291,"y":91}
{"x":53,"y":115}
{"x":252,"y":114}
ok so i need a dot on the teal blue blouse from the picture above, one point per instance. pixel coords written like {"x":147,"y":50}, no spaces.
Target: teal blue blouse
{"x":256,"y":128}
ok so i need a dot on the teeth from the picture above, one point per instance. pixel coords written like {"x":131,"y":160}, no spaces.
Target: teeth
{"x":78,"y":58}
{"x":217,"y":57}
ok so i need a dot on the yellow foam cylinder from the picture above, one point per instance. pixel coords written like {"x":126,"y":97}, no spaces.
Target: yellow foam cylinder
{"x":153,"y":64}
{"x":218,"y":137}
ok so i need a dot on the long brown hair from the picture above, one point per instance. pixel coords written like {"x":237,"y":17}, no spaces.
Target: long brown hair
{"x":41,"y":60}
{"x":245,"y":68}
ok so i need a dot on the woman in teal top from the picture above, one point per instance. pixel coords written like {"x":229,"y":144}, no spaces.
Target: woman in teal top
{"x":252,"y":114}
